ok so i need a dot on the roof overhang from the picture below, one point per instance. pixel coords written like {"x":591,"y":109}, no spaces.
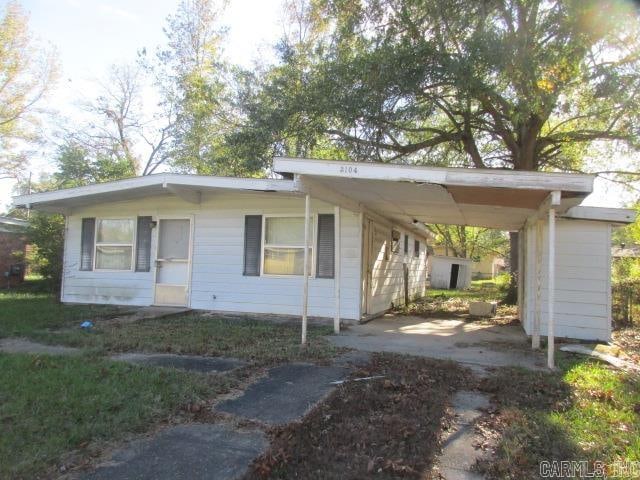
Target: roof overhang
{"x":502,"y":199}
{"x":619,"y":216}
{"x":187,"y":187}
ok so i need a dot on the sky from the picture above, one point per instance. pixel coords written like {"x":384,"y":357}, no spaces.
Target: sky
{"x":92,"y":35}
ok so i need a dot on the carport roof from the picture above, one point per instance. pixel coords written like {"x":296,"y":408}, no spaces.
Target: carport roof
{"x":502,"y":199}
{"x":410,"y":195}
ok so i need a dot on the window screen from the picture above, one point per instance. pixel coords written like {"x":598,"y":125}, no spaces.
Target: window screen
{"x":173,"y":239}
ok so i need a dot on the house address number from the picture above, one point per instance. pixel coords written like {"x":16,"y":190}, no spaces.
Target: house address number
{"x":347,"y":170}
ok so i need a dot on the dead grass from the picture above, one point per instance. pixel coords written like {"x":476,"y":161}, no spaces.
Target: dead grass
{"x":388,"y":427}
{"x":628,"y":339}
{"x":261,"y":342}
{"x":455,"y":303}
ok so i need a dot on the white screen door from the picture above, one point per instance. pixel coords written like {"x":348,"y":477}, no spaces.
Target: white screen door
{"x":173,"y":262}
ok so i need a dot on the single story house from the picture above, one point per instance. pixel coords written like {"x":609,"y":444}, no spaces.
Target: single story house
{"x":330,"y":239}
{"x":13,"y":248}
{"x":449,"y":272}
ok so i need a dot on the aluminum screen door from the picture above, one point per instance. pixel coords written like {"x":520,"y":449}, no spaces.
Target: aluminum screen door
{"x":173,"y":262}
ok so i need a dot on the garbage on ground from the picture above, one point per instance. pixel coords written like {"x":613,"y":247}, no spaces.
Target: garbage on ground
{"x":87,"y":325}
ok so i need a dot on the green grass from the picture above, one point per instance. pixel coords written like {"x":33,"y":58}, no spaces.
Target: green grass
{"x":586,"y":411}
{"x":52,"y":405}
{"x":37,"y":316}
{"x":254,"y":340}
{"x":25,"y":313}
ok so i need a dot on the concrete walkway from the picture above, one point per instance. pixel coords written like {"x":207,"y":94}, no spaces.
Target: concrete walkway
{"x":459,"y":454}
{"x":474,"y":343}
{"x":185,"y":452}
{"x":285,"y":394}
{"x":192,"y":363}
{"x":23,"y":345}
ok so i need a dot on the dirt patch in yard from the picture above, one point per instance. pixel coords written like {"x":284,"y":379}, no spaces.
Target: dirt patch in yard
{"x":628,"y":339}
{"x":390,"y":426}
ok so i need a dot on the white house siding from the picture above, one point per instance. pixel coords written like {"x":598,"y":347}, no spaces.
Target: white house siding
{"x":387,"y":272}
{"x":217,"y":282}
{"x":583,"y":280}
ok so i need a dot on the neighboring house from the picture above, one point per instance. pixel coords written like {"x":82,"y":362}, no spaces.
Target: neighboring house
{"x":13,"y":246}
{"x":449,"y":272}
{"x":488,"y":266}
{"x":238,"y":244}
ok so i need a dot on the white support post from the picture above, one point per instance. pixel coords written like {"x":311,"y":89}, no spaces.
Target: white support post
{"x":336,"y":273}
{"x":551,"y":287}
{"x":535,"y":337}
{"x":305,"y":269}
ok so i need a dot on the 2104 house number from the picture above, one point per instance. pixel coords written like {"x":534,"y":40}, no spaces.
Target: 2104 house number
{"x":348,"y":170}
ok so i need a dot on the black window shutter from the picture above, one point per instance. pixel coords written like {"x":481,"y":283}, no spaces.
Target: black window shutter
{"x":252,"y":244}
{"x":326,"y":246}
{"x":87,"y":243}
{"x":406,"y":243}
{"x":416,"y":248}
{"x":143,"y":244}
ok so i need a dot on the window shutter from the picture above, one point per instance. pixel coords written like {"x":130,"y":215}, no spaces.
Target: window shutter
{"x":416,"y":248}
{"x":252,"y":244}
{"x":326,"y":246}
{"x":406,"y":243}
{"x":143,"y":244}
{"x":87,"y":243}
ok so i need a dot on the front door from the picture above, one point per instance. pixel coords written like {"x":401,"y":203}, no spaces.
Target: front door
{"x":377,"y":262}
{"x":173,"y":262}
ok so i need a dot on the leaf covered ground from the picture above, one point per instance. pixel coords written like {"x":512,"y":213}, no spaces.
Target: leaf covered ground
{"x":386,"y":427}
{"x":587,"y":411}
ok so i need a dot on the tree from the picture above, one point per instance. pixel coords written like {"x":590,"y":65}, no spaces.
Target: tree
{"x":470,"y":242}
{"x":119,"y":126}
{"x":76,"y":167}
{"x":517,"y":84}
{"x":27,"y":72}
{"x":194,"y":82}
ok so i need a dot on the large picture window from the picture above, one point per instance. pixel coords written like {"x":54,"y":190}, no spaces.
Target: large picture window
{"x":114,"y":244}
{"x":283,"y":246}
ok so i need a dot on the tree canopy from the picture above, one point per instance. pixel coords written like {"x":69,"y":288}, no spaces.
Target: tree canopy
{"x":520,"y":84}
{"x":27,"y":72}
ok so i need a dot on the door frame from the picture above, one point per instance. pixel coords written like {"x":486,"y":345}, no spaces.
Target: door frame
{"x":191,"y":219}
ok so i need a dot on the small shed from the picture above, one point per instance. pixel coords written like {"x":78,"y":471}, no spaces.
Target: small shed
{"x":450,"y":272}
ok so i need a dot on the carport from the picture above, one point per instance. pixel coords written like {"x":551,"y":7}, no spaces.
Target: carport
{"x":527,"y":202}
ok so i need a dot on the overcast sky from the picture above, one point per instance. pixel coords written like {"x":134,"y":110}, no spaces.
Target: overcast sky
{"x":91,"y":35}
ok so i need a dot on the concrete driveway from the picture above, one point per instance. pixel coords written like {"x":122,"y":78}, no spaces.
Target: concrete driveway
{"x":471,"y":342}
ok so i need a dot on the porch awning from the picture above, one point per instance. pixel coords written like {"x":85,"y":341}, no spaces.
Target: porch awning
{"x":502,"y":199}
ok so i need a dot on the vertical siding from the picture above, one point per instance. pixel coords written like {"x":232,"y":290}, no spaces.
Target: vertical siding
{"x":583,"y":273}
{"x":387,"y":274}
{"x":217,"y":280}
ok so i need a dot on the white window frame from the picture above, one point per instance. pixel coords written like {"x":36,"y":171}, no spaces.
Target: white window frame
{"x":102,"y":244}
{"x":312,"y":246}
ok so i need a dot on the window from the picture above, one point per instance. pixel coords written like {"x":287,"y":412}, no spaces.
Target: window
{"x":283,"y":246}
{"x":114,"y":244}
{"x":416,"y":248}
